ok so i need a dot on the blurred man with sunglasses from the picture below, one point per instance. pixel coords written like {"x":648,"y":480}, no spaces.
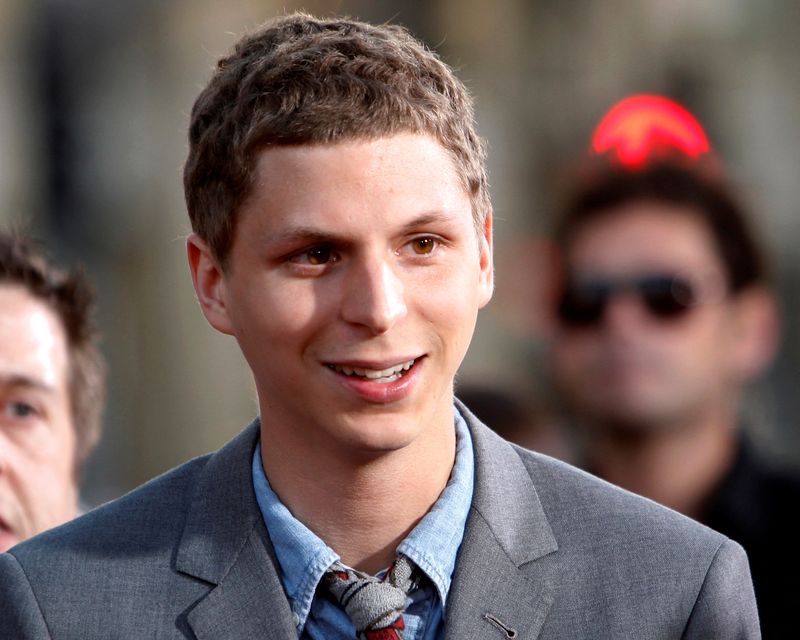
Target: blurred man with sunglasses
{"x":665,"y":314}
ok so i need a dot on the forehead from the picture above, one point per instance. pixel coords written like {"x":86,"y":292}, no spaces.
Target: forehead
{"x":644,"y":235}
{"x":352,"y":181}
{"x":32,"y":341}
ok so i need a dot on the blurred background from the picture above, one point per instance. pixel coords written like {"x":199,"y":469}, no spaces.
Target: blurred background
{"x":94,"y":104}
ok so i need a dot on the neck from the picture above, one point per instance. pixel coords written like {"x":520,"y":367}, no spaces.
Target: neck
{"x":362,"y":505}
{"x":678,"y":467}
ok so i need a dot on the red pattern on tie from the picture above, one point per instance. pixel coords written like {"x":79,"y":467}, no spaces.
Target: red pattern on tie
{"x":394,"y":632}
{"x":369,"y":600}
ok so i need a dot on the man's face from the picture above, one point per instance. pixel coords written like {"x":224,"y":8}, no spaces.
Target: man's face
{"x":37,"y":441}
{"x":353,"y":288}
{"x":633,"y":366}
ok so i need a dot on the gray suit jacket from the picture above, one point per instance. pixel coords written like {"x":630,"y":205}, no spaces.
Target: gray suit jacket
{"x":548,"y":551}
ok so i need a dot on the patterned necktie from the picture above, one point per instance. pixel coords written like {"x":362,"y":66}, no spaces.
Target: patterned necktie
{"x":375,"y":606}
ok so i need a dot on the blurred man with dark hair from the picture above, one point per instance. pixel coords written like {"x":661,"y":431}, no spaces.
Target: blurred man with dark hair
{"x":666,"y":313}
{"x":51,"y":390}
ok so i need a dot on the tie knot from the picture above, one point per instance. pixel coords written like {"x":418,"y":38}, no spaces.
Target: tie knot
{"x":374,"y":605}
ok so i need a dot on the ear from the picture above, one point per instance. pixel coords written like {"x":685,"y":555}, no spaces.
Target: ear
{"x":209,"y":284}
{"x":486,"y":278}
{"x":758,"y":329}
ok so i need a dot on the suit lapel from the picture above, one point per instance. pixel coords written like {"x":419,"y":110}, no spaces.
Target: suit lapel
{"x":225,"y":543}
{"x":504,"y":577}
{"x":506,"y":570}
{"x":249,"y":602}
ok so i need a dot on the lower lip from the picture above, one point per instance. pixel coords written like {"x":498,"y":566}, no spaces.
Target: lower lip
{"x":382,"y":393}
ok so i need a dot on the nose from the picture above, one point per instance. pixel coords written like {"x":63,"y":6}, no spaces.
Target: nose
{"x":374,"y":295}
{"x":624,"y":313}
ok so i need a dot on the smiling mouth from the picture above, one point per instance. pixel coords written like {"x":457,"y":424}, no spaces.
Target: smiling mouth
{"x":380,"y":376}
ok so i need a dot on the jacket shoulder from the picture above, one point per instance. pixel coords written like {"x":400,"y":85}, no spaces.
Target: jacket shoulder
{"x":141,"y":521}
{"x":634,"y":552}
{"x":102,"y":570}
{"x":113,"y":554}
{"x":570,"y":495}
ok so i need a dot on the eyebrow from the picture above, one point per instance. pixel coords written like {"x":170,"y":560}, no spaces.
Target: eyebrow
{"x":21,"y":380}
{"x":315,"y":235}
{"x":433,"y":217}
{"x":298,"y":235}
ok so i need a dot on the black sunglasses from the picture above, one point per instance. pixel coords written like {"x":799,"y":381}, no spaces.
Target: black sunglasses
{"x":584,"y":301}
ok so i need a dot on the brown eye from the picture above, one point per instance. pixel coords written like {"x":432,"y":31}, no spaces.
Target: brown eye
{"x":319,"y":255}
{"x":423,"y":246}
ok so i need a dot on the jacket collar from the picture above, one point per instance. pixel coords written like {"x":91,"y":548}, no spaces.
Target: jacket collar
{"x":504,"y":576}
{"x":225,"y":543}
{"x":506,"y":571}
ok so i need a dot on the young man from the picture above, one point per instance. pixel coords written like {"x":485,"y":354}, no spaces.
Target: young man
{"x":666,"y":315}
{"x":51,"y":390}
{"x":342,"y":234}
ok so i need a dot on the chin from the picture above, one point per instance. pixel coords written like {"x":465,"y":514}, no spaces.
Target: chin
{"x":373,"y":434}
{"x":631,"y":420}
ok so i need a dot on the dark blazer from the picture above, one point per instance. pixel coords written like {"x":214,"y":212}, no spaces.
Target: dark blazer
{"x":548,"y":552}
{"x":756,"y":505}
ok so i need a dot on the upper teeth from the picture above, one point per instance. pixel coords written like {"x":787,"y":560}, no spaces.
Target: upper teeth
{"x":373,"y":374}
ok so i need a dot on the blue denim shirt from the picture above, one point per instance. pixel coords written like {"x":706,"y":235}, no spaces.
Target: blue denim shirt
{"x":432,"y":545}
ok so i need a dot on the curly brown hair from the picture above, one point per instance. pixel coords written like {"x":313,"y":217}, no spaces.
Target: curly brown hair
{"x":303,"y":80}
{"x":71,"y":297}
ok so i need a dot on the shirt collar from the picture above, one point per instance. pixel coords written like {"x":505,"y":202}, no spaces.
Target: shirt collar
{"x":432,"y":545}
{"x":302,"y":555}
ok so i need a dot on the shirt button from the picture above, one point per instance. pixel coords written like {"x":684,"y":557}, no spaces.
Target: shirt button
{"x":295,"y":619}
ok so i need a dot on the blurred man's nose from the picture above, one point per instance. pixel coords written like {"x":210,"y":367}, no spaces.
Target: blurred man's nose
{"x":624,"y":312}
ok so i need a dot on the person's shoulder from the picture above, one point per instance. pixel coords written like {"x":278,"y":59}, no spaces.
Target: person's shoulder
{"x":778,"y":480}
{"x":627,"y":564}
{"x":633,"y":552}
{"x":144,"y":518}
{"x":149,"y":517}
{"x":752,"y":504}
{"x":124,"y":557}
{"x":123,"y":547}
{"x":584,"y":510}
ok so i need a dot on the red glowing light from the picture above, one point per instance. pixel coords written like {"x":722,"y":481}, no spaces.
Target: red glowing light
{"x":640,"y":127}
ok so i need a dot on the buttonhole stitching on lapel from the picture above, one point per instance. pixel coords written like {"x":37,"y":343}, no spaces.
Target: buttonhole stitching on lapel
{"x":494,"y":620}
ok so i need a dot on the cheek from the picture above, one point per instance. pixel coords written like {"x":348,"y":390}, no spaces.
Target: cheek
{"x":457,"y":285}
{"x":56,"y":454}
{"x":570,"y":356}
{"x":275,"y":310}
{"x":44,"y":475}
{"x":450,"y":302}
{"x":276,"y":329}
{"x":703,"y":345}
